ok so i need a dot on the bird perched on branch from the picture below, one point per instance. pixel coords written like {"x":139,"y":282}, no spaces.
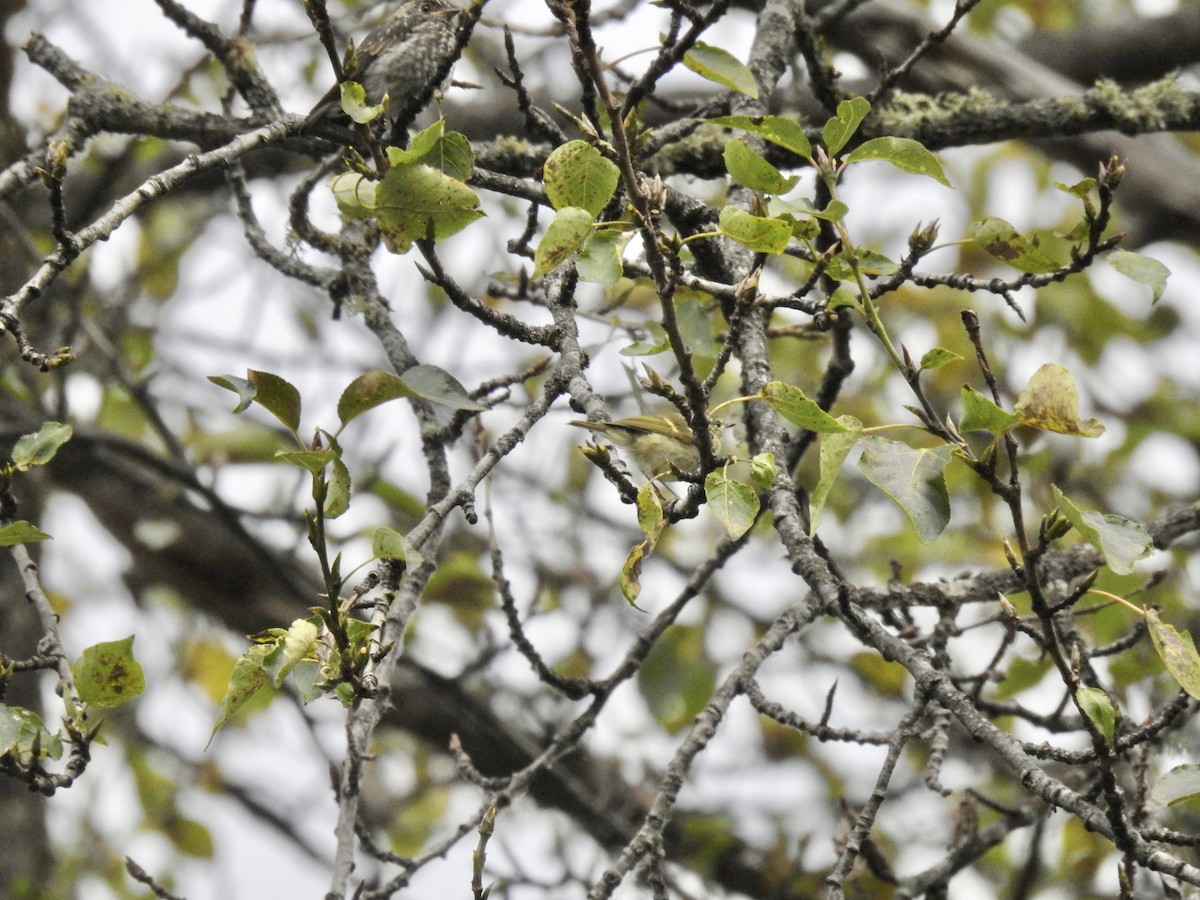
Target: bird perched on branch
{"x":658,"y":445}
{"x":397,"y":58}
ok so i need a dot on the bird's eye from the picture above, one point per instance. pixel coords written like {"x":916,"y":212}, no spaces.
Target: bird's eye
{"x":426,"y":7}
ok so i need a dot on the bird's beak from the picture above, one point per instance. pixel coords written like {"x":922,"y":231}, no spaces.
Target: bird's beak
{"x":445,"y":12}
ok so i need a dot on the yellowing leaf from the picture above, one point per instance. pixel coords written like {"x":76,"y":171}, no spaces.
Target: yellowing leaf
{"x":1050,"y":402}
{"x":564,"y":235}
{"x":576,"y":174}
{"x":650,"y":514}
{"x":631,"y":572}
{"x":1177,"y":651}
{"x":1001,"y":240}
{"x":247,"y":680}
{"x":418,"y":201}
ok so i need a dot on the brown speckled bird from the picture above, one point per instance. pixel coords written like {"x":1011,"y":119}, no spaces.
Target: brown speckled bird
{"x":398,"y":57}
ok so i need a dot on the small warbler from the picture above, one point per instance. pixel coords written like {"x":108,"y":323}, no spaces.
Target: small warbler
{"x":656,"y":443}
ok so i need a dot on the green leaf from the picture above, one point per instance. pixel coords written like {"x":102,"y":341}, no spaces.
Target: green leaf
{"x":780,"y":130}
{"x":980,"y":413}
{"x":22,"y":734}
{"x":447,"y":151}
{"x":419,"y":146}
{"x":1081,"y":189}
{"x":577,"y":174}
{"x":278,"y":396}
{"x":337,"y":497}
{"x":874,"y":264}
{"x":677,"y":678}
{"x":696,"y":327}
{"x":414,"y":200}
{"x":750,"y":170}
{"x":247,"y":679}
{"x":21,"y":532}
{"x":734,"y":504}
{"x":1180,"y":783}
{"x":314,"y":461}
{"x":791,"y":403}
{"x":417,"y":821}
{"x":240,"y":386}
{"x":762,"y":471}
{"x":369,"y":390}
{"x":289,"y":651}
{"x":1122,"y":541}
{"x":107,"y":675}
{"x":356,"y":197}
{"x":453,"y":155}
{"x":804,"y":230}
{"x":564,"y":235}
{"x":387,"y":543}
{"x":722,"y":67}
{"x":1098,"y":707}
{"x":835,"y":211}
{"x":1141,"y":269}
{"x":438,"y":386}
{"x":843,"y":295}
{"x":39,"y":448}
{"x":903,"y":153}
{"x":913,"y":478}
{"x":354,"y":103}
{"x":599,"y":260}
{"x":759,"y":234}
{"x":838,"y":130}
{"x":189,"y":836}
{"x":834,"y":448}
{"x":1050,"y":402}
{"x":1003,"y":242}
{"x":937,"y":357}
{"x":1177,"y":651}
{"x":425,"y":381}
{"x":660,"y":343}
